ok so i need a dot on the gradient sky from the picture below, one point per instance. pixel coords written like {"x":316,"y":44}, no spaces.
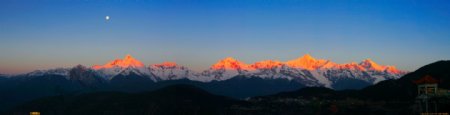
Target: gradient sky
{"x":42,"y":34}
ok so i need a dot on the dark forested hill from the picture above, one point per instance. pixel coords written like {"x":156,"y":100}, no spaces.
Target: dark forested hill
{"x":404,"y":88}
{"x":175,"y":99}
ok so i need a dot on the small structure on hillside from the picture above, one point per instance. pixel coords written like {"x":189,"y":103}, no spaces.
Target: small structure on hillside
{"x":427,"y":88}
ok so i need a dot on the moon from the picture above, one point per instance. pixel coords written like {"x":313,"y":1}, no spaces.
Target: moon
{"x":107,"y":18}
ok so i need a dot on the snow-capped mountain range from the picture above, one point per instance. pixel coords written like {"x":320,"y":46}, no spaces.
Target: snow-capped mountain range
{"x":305,"y":70}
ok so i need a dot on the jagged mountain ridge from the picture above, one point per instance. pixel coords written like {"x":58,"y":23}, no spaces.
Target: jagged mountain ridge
{"x":305,"y":70}
{"x":228,"y":77}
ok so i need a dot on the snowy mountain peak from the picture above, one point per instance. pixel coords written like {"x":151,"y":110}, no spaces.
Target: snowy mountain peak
{"x":117,"y":66}
{"x":229,"y":59}
{"x":267,"y":64}
{"x":129,"y":57}
{"x":128,"y":61}
{"x":368,"y":62}
{"x":393,"y":69}
{"x":371,"y":65}
{"x":306,"y":62}
{"x":230,"y":63}
{"x":307,"y":57}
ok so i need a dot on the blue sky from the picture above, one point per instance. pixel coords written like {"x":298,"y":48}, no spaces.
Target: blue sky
{"x":41,"y":34}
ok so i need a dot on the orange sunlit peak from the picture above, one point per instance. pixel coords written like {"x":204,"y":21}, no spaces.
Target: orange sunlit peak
{"x":128,"y":56}
{"x":267,"y":64}
{"x":230,"y":63}
{"x":368,"y":60}
{"x":307,"y":57}
{"x":116,"y":61}
{"x":306,"y":62}
{"x":372,"y":65}
{"x":126,"y":62}
{"x":393,"y":69}
{"x":229,"y":59}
